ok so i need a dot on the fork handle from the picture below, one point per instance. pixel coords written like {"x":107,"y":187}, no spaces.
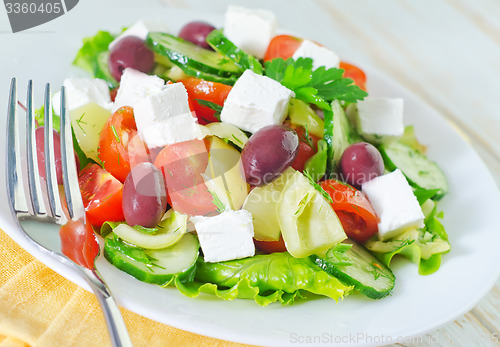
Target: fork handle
{"x":114,"y":320}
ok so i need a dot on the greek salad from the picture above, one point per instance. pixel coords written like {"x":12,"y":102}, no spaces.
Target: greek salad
{"x":246,"y":164}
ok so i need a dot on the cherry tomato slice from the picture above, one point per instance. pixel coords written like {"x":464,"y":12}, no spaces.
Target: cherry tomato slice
{"x":353,"y":209}
{"x":271,"y":246}
{"x":101,"y":195}
{"x":282,"y":46}
{"x":306,"y":151}
{"x":355,"y":73}
{"x":182,"y":165}
{"x":78,"y":243}
{"x":113,"y":142}
{"x":205,"y":90}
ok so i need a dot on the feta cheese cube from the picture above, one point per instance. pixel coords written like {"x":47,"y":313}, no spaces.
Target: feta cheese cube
{"x":394,"y":203}
{"x":83,"y":91}
{"x":378,"y":119}
{"x":251,"y":30}
{"x":255,"y":102}
{"x":134,"y":86}
{"x":226,"y":236}
{"x":320,"y":55}
{"x":161,"y":112}
{"x":141,"y":29}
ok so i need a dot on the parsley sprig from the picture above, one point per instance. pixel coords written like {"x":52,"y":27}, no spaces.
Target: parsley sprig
{"x":319,"y":87}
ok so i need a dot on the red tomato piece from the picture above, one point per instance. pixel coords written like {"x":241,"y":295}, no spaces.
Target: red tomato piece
{"x":305,"y":150}
{"x":113,"y":142}
{"x":205,"y":90}
{"x":101,"y":195}
{"x":78,"y":243}
{"x":271,"y":246}
{"x":112,"y":93}
{"x":138,"y":151}
{"x":353,"y":209}
{"x":182,"y":165}
{"x":355,"y":73}
{"x":282,"y":46}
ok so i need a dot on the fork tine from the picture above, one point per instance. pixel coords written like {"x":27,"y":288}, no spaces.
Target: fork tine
{"x":70,"y":175}
{"x":14,"y":170}
{"x":50,"y":169}
{"x":34,"y":187}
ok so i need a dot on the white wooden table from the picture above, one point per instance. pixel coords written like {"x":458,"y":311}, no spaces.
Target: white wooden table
{"x":445,"y":51}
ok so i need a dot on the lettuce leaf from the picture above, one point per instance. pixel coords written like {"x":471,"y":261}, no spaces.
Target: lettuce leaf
{"x":93,"y":57}
{"x":264,"y":278}
{"x":423,"y":246}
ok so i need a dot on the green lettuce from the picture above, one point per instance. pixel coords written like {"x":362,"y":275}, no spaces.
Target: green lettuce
{"x":264,"y":278}
{"x":423,"y":246}
{"x":93,"y":57}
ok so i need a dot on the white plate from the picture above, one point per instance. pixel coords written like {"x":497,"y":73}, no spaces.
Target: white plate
{"x":418,"y":304}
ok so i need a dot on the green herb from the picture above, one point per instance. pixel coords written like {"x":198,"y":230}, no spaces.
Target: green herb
{"x":212,"y":105}
{"x":80,"y":121}
{"x":218,"y":203}
{"x":302,"y":204}
{"x":318,"y":187}
{"x":307,"y":138}
{"x":318,"y":87}
{"x":113,"y":129}
{"x":374,"y":272}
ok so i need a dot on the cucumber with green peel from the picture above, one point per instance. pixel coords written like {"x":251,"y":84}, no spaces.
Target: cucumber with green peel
{"x":102,"y":70}
{"x":157,"y":266}
{"x":208,"y":76}
{"x":224,"y":46}
{"x":339,"y":134}
{"x":169,"y":231}
{"x":364,"y":271}
{"x":420,"y":171}
{"x":184,"y":53}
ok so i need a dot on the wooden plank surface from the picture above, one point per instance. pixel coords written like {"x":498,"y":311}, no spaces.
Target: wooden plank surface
{"x":448,"y":53}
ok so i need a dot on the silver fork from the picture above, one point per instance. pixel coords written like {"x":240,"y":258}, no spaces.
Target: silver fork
{"x":40,"y":216}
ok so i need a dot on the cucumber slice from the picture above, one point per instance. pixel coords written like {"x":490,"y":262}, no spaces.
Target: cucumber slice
{"x":185,"y":53}
{"x":208,"y":76}
{"x":153,"y":266}
{"x":419,"y":170}
{"x":344,"y":134}
{"x":224,"y":46}
{"x":307,"y":221}
{"x":366,"y":273}
{"x":338,"y":134}
{"x":170,"y":231}
{"x":102,"y":70}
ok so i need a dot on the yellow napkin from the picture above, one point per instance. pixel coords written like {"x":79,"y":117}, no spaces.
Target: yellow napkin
{"x":38,"y":307}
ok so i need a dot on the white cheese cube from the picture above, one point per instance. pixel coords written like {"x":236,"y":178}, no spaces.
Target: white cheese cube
{"x":394,"y":203}
{"x":255,"y":102}
{"x":161,"y":112}
{"x":164,"y":118}
{"x":134,"y":86}
{"x":83,"y":91}
{"x":250,"y":30}
{"x":320,"y":55}
{"x":141,"y":29}
{"x":226,"y":236}
{"x":379,"y":119}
